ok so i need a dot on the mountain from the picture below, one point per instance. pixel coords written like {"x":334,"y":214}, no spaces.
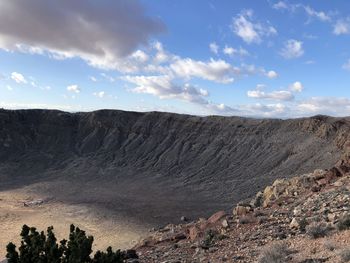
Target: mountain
{"x":156,"y":166}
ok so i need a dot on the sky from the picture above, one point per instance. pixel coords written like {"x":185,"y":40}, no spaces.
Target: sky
{"x":266,"y":58}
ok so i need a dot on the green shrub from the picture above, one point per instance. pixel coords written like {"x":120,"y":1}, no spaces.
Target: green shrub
{"x":40,"y":248}
{"x":209,"y":238}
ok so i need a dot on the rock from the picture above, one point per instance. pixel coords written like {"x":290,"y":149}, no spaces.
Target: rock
{"x":224,"y":223}
{"x":268,"y":195}
{"x":297,"y":211}
{"x":338,"y":183}
{"x":258,"y":200}
{"x":240,"y":210}
{"x":294,"y":224}
{"x":280,"y":186}
{"x":216,"y":217}
{"x":194,"y":232}
{"x":332,"y":217}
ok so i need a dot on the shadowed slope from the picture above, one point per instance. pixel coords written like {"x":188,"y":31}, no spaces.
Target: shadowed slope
{"x":158,"y":166}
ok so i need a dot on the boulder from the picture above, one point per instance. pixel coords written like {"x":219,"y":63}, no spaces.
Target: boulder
{"x":240,"y":210}
{"x":215,"y":218}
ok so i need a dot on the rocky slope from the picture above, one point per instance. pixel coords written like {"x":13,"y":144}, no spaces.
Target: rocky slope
{"x":158,"y":166}
{"x":304,"y":219}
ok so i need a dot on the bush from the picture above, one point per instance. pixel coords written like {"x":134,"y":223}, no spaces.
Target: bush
{"x":209,"y":238}
{"x":276,"y":253}
{"x":317,"y":230}
{"x":41,"y":248}
{"x":344,"y":223}
{"x":345,"y":255}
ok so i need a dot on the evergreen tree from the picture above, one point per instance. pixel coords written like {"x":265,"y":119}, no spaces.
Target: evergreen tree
{"x":40,"y":248}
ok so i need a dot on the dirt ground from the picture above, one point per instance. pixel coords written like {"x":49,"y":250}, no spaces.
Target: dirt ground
{"x":106,"y":229}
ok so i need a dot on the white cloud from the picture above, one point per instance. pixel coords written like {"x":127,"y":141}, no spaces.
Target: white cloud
{"x":93,"y":79}
{"x":280,"y":5}
{"x":292,"y":49}
{"x":309,"y":11}
{"x":270,"y":110}
{"x":214,"y":70}
{"x":101,"y":36}
{"x":346,"y":66}
{"x":214,"y":48}
{"x":165,"y":87}
{"x":18,"y":78}
{"x":99,"y":94}
{"x":161,"y":55}
{"x":16,"y":105}
{"x":281,"y":95}
{"x":296,"y":86}
{"x":342,"y":27}
{"x":250,"y":31}
{"x":73,"y":88}
{"x":230,"y":51}
{"x":319,"y":15}
{"x":335,"y":106}
{"x":9,"y":88}
{"x":140,"y":56}
{"x":272,"y":74}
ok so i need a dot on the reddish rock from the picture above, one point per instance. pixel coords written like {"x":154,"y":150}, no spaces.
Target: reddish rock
{"x":194,"y":232}
{"x":215,"y":218}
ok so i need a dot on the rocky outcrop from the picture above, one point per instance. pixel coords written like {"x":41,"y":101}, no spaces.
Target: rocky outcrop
{"x":292,"y":210}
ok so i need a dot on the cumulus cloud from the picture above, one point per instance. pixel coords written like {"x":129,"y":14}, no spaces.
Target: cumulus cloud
{"x":281,"y":95}
{"x":230,"y":51}
{"x":317,"y":14}
{"x":342,"y":27}
{"x":335,"y":106}
{"x":271,"y":74}
{"x":214,"y":48}
{"x":280,"y":5}
{"x":214,"y":70}
{"x":270,"y":110}
{"x":296,"y":86}
{"x":165,"y":87}
{"x":292,"y":49}
{"x":73,"y":88}
{"x":99,"y":94}
{"x":250,"y":31}
{"x":101,"y":35}
{"x":18,"y":78}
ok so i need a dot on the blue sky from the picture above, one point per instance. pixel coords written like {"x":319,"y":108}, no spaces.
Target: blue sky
{"x":248,"y":58}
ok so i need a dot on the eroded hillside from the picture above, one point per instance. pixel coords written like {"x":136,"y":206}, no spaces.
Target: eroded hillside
{"x":203,"y":163}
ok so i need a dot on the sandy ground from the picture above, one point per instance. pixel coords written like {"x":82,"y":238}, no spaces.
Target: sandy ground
{"x":106,"y":229}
